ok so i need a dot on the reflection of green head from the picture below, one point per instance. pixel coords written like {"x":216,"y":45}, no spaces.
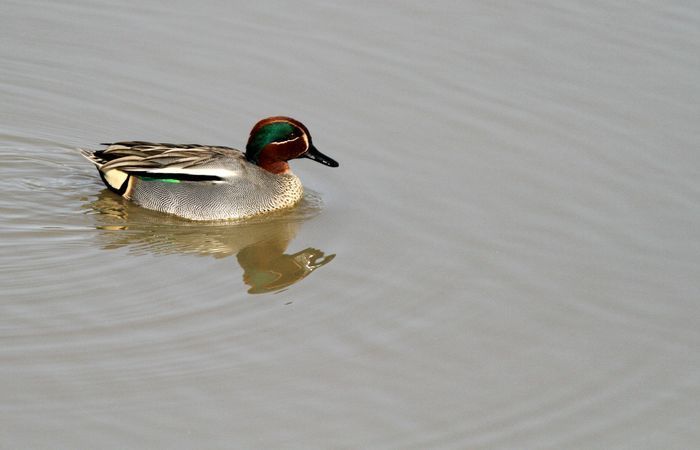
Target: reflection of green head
{"x":266,"y":134}
{"x":267,"y":269}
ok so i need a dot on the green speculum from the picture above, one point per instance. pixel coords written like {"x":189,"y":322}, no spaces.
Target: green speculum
{"x":162,"y":180}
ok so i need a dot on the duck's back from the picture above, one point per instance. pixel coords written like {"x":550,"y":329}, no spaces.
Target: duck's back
{"x":195,"y":182}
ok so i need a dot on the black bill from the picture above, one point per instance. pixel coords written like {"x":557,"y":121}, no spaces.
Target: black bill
{"x":313,"y":153}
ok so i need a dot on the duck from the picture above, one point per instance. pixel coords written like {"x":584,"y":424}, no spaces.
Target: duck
{"x":206,"y":182}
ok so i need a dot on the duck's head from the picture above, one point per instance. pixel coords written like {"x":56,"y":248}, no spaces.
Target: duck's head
{"x":275,"y":140}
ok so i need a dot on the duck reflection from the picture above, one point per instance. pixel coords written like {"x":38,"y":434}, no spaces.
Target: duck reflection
{"x":259,"y":245}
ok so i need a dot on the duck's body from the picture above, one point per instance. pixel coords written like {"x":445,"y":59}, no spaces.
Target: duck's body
{"x":202,"y":182}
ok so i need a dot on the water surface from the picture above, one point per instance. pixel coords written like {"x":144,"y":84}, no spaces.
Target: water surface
{"x":507,"y":257}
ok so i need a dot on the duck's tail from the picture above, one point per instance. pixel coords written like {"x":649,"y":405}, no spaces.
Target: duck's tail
{"x":116,"y":180}
{"x":90,"y":156}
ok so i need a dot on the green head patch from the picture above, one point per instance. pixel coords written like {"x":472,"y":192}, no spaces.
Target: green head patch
{"x":268,"y":133}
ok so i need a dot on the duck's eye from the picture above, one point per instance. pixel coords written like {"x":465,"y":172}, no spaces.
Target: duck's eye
{"x":295,"y":133}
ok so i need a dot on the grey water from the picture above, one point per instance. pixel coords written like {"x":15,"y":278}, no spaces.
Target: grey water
{"x":508,"y":256}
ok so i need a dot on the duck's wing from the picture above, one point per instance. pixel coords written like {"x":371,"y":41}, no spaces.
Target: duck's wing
{"x":186,"y":162}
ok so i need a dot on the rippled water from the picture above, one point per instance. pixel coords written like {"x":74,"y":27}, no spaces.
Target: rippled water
{"x":507,"y":257}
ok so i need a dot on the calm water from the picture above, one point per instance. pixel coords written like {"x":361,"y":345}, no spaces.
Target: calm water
{"x":508,"y":256}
